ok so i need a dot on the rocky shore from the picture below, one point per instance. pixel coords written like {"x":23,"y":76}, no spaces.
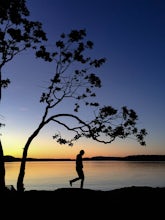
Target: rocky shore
{"x":66,"y":202}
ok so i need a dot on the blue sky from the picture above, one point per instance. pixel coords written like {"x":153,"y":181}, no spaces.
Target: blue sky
{"x":131,"y":35}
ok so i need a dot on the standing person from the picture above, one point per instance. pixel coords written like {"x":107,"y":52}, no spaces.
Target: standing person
{"x":79,"y":169}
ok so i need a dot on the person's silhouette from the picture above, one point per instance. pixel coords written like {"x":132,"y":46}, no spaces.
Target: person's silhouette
{"x":79,"y":169}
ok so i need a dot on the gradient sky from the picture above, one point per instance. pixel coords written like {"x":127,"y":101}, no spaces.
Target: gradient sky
{"x":131,"y":35}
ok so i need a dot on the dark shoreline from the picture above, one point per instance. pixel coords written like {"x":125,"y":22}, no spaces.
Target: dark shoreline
{"x":133,"y":193}
{"x":134,"y":201}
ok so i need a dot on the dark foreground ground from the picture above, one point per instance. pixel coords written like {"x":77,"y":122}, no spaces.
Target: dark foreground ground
{"x":74,"y":203}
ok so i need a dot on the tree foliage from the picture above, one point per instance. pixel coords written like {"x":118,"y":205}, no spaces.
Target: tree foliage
{"x":17,"y":34}
{"x":75,"y":82}
{"x":78,"y":84}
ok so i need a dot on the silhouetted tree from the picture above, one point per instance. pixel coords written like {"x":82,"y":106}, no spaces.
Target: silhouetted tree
{"x":17,"y":34}
{"x":74,"y":82}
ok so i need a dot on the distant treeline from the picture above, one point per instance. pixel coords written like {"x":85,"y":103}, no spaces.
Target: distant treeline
{"x":127,"y":158}
{"x":133,"y":158}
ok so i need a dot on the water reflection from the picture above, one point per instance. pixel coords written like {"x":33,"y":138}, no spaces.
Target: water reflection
{"x":99,"y":175}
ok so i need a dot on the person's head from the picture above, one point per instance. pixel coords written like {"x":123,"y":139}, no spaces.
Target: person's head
{"x":82,"y":152}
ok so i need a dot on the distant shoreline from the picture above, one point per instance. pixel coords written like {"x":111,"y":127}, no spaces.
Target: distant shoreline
{"x":97,"y":158}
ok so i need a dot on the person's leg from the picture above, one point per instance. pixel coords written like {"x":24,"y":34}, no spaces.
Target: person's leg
{"x":80,"y":176}
{"x":82,"y":179}
{"x":82,"y":183}
{"x":73,"y":180}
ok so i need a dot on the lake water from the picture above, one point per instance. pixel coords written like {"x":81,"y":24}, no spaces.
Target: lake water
{"x":99,"y":175}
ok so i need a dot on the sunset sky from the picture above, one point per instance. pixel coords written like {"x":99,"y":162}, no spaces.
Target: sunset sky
{"x":131,"y":35}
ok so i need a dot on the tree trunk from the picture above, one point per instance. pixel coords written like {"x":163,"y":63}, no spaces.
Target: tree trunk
{"x":20,"y":185}
{"x":2,"y":170}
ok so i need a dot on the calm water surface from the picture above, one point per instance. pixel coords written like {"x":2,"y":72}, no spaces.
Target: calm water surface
{"x":99,"y":175}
